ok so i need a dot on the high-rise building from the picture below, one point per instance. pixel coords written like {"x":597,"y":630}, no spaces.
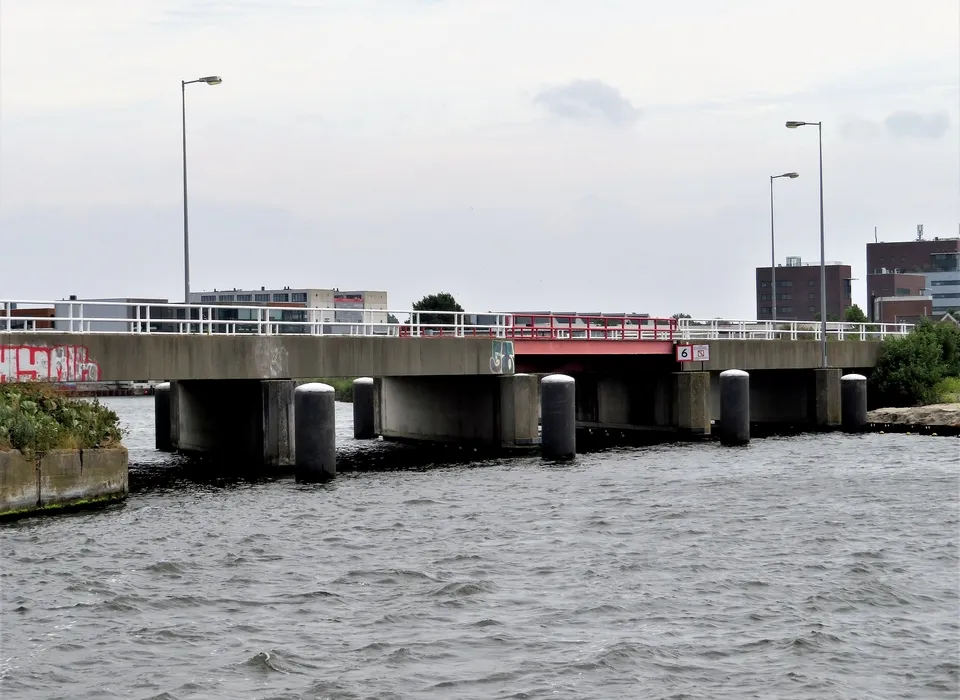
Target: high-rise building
{"x":798,"y":291}
{"x":936,"y":259}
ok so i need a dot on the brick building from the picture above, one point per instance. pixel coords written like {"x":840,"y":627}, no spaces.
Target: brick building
{"x":798,"y":291}
{"x":937,"y":260}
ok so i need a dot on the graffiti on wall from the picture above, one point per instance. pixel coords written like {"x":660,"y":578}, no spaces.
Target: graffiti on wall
{"x":501,"y":357}
{"x":40,"y":363}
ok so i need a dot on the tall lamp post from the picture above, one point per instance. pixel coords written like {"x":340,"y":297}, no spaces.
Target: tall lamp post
{"x":209,"y":80}
{"x":823,"y":264}
{"x":773,"y":251}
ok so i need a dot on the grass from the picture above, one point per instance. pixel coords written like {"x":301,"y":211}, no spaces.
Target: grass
{"x":343,"y":386}
{"x":36,"y":418}
{"x":948,"y":390}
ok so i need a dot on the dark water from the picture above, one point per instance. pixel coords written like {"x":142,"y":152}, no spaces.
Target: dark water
{"x":810,"y":567}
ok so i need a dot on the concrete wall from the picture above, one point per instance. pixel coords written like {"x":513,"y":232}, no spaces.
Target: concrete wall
{"x":162,"y":356}
{"x":60,"y":478}
{"x":785,"y":354}
{"x":489,"y":411}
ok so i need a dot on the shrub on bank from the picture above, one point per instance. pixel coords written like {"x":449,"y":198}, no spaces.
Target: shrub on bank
{"x":342,"y":387}
{"x":918,"y":368}
{"x":38,"y":418}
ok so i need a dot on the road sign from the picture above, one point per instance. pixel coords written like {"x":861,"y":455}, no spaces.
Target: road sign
{"x":684,"y":353}
{"x":701,"y":353}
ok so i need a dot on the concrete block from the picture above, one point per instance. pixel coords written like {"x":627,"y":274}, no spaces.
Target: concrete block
{"x":692,"y":402}
{"x":519,"y":410}
{"x":162,"y":424}
{"x":827,"y":401}
{"x":19,"y":483}
{"x":363,"y":413}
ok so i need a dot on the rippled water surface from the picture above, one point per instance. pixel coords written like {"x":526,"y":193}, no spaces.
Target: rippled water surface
{"x":809,"y":567}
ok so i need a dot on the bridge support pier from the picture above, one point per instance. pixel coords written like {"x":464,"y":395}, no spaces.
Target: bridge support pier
{"x":242,"y":422}
{"x":691,"y":403}
{"x":484,"y":411}
{"x":161,"y":406}
{"x":827,"y":412}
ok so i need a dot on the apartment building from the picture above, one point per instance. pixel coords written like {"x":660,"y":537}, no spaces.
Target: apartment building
{"x":798,"y":291}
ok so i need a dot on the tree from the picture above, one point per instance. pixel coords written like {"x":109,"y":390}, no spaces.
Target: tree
{"x":436,"y":302}
{"x":854,"y":314}
{"x":392,"y":319}
{"x":909,"y":367}
{"x":679,"y":316}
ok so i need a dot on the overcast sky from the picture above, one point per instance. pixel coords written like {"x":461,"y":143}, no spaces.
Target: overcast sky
{"x":606,"y":155}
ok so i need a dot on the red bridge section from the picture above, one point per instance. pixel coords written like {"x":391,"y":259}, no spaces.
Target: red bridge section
{"x":575,"y":334}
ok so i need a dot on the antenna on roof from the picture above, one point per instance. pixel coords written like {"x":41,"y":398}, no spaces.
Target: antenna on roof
{"x":919,"y":232}
{"x":875,"y":239}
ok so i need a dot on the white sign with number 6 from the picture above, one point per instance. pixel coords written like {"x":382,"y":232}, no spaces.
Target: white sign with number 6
{"x":684,"y":353}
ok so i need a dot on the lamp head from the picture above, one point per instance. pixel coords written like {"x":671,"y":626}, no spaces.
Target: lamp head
{"x":211,"y":80}
{"x":792,"y":176}
{"x":794,"y":125}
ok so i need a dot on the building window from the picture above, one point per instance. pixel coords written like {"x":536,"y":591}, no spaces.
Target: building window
{"x":281,"y":296}
{"x":764,"y":310}
{"x":903,"y":292}
{"x":785,"y":297}
{"x":766,"y":297}
{"x":208,"y":297}
{"x":951,"y":295}
{"x":226,"y":297}
{"x":812,"y":309}
{"x":785,"y":309}
{"x":244,"y":297}
{"x":261,"y":297}
{"x":764,"y":285}
{"x":944,"y":283}
{"x":299,"y":296}
{"x":811,"y":295}
{"x":785,"y":283}
{"x":810,"y":283}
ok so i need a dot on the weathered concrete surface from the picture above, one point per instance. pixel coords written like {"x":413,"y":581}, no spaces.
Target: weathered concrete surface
{"x":937,"y":414}
{"x":161,"y":356}
{"x":827,"y":411}
{"x":483,"y":411}
{"x":691,"y":402}
{"x":785,"y":354}
{"x":61,"y":478}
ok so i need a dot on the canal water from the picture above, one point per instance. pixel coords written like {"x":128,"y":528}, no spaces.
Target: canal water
{"x":804,"y":567}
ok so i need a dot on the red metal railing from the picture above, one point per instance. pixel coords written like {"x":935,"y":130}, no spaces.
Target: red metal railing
{"x":560,"y":327}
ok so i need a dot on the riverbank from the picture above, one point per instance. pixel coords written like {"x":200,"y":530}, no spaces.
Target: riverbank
{"x":941,"y":419}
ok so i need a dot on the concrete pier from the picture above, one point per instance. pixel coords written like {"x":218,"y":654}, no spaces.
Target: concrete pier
{"x":363,"y":418}
{"x":734,"y":407}
{"x":161,"y":405}
{"x":315,"y":418}
{"x":853,"y":392}
{"x":691,"y":403}
{"x":558,"y":409}
{"x":827,"y":398}
{"x":247,"y":423}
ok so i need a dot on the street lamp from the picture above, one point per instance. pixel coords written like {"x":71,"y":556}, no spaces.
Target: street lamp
{"x":209,"y":80}
{"x":823,"y":264}
{"x":773,"y":254}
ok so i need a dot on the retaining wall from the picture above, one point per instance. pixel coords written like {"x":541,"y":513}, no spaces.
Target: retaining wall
{"x":60,"y":479}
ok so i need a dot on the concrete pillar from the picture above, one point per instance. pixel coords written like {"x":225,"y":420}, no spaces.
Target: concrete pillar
{"x":241,"y":422}
{"x":558,"y":403}
{"x":363,"y":428}
{"x":277,"y":416}
{"x":734,"y":407}
{"x":691,"y":404}
{"x":853,"y":398}
{"x":315,"y":419}
{"x":519,"y":404}
{"x":827,"y":398}
{"x":162,"y":420}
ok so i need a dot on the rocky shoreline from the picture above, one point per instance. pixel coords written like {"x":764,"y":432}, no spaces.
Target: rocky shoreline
{"x":944,"y":414}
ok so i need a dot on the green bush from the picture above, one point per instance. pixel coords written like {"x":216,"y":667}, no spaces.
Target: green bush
{"x":37,"y":418}
{"x":911,"y":370}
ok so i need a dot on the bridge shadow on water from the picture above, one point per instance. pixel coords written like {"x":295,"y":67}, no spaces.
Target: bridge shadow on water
{"x":179,"y":471}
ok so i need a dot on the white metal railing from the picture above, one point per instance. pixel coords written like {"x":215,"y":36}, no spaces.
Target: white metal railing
{"x":145,"y":317}
{"x":718,"y":329}
{"x":124,"y":317}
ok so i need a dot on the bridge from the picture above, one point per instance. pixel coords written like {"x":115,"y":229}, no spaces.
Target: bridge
{"x":439,"y":376}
